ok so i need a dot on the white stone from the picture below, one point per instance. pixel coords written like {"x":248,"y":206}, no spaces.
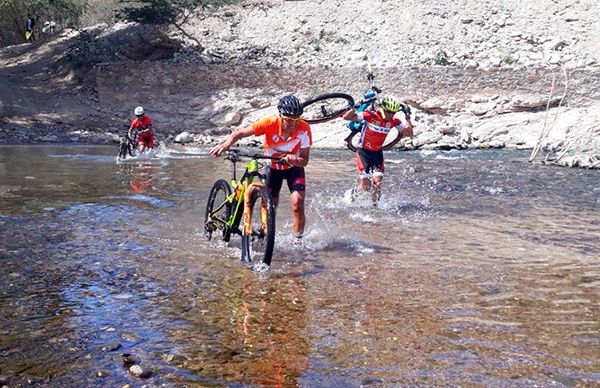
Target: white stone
{"x":184,"y":137}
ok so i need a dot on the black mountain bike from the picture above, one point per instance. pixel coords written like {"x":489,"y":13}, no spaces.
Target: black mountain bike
{"x":329,"y":106}
{"x":127,"y":146}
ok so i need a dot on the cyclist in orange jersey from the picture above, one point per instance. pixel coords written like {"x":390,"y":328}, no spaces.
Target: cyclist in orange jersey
{"x":289,"y":137}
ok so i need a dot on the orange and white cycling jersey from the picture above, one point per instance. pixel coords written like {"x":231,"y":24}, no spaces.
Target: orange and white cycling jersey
{"x":376,"y":129}
{"x":275,"y":145}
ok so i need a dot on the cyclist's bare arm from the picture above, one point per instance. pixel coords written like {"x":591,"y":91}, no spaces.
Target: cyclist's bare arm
{"x":350,"y":115}
{"x":298,"y":161}
{"x":231,"y":140}
{"x":408,"y":129}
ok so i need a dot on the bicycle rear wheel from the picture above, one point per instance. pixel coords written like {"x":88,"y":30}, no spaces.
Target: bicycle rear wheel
{"x":257,"y":247}
{"x":326,"y":107}
{"x":218,"y":211}
{"x":390,"y":141}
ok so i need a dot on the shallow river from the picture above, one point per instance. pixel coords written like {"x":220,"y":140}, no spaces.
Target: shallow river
{"x":477,"y":269}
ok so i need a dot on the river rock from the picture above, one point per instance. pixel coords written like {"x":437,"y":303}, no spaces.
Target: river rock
{"x":184,"y":138}
{"x":111,"y":347}
{"x":226,"y":119}
{"x":435,"y":105}
{"x":532,"y":102}
{"x":129,"y":359}
{"x":426,"y":138}
{"x":138,"y":371}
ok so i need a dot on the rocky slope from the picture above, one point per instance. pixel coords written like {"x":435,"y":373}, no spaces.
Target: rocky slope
{"x":478,"y":73}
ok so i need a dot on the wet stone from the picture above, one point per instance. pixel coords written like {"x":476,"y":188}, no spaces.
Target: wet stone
{"x":34,"y":380}
{"x":128,"y":359}
{"x":111,"y":347}
{"x":130,"y":336}
{"x":138,"y":371}
{"x":103,"y":373}
{"x":371,"y":380}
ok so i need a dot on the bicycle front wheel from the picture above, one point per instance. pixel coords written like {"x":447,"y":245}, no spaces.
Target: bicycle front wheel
{"x":258,"y":240}
{"x":218,"y":211}
{"x":122,"y":151}
{"x":326,"y":107}
{"x":390,"y":141}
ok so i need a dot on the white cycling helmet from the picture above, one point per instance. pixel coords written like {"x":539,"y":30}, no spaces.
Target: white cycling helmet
{"x":138,"y":111}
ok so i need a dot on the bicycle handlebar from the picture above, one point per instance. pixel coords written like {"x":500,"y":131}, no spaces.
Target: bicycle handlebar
{"x":234,"y":155}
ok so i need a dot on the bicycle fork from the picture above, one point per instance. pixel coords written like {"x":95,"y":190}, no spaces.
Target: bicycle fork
{"x":248,"y":233}
{"x":247,"y":228}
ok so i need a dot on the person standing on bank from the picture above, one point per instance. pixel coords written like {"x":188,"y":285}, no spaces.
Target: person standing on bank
{"x":29,"y":35}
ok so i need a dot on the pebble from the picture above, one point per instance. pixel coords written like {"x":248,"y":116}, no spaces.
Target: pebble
{"x":138,"y":371}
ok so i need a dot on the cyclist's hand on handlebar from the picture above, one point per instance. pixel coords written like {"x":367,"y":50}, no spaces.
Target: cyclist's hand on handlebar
{"x":405,"y":109}
{"x":219,"y":149}
{"x":292,"y":160}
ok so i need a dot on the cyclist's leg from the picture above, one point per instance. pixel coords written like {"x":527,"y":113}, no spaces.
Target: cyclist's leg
{"x":363,"y":164}
{"x":296,"y":181}
{"x":378,"y":172}
{"x":274,"y":181}
{"x":144,"y":142}
{"x":151,"y":141}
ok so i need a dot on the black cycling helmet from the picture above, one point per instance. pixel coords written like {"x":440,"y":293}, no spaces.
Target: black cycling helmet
{"x":290,"y":105}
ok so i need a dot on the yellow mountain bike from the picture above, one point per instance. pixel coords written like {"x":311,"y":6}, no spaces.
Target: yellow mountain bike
{"x":249,"y":198}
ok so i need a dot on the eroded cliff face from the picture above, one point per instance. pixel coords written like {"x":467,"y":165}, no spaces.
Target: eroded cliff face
{"x":477,"y":75}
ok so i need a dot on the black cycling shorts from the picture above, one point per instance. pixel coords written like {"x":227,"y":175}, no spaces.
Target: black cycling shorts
{"x":369,"y":162}
{"x":294,"y":176}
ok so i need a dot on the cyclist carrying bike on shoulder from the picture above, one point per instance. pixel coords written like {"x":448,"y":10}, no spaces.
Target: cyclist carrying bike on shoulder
{"x":289,"y":137}
{"x":143,"y":124}
{"x":369,"y":153}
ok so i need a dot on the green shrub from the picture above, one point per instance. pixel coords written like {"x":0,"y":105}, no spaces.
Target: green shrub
{"x":441,"y":58}
{"x":164,"y":11}
{"x":508,"y":59}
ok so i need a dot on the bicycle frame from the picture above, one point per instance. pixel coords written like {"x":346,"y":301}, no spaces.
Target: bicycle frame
{"x":240,"y":193}
{"x":245,"y":196}
{"x":369,"y":100}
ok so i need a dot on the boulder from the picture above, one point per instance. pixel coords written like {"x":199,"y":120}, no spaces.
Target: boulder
{"x":184,"y":137}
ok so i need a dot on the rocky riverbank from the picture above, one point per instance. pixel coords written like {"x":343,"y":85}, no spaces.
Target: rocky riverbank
{"x":82,"y":85}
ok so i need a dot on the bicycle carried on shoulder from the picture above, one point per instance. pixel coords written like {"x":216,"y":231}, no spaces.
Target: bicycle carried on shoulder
{"x":329,"y":106}
{"x":247,"y":197}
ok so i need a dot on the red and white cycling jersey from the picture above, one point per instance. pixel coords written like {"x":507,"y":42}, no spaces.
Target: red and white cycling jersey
{"x":275,"y":145}
{"x":376,"y":129}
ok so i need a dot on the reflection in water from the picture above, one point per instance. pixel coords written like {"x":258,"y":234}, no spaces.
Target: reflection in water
{"x":143,"y":175}
{"x":477,"y":269}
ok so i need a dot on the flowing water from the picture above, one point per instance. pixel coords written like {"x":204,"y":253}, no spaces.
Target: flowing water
{"x":476,"y":269}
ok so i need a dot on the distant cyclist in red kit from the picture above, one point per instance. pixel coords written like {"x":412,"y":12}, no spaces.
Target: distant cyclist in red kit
{"x":369,"y":153}
{"x":143,"y":124}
